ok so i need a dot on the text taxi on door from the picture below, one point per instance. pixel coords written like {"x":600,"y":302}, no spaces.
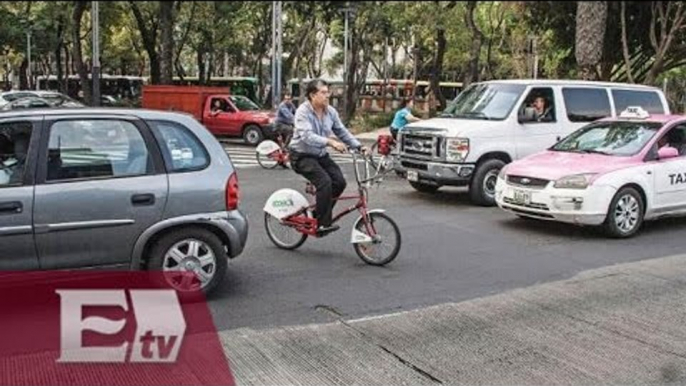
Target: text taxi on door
{"x":615,"y":172}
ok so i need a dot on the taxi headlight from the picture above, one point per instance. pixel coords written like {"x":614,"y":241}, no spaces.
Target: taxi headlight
{"x":576,"y":181}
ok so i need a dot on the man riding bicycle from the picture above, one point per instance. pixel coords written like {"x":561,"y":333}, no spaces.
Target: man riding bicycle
{"x":315,"y":122}
{"x":285,"y":118}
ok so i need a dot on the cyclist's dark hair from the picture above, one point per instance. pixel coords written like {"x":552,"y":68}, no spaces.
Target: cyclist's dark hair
{"x":313,"y":86}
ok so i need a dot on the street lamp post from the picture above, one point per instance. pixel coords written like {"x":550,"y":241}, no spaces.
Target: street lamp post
{"x":28,"y":54}
{"x":95,"y":100}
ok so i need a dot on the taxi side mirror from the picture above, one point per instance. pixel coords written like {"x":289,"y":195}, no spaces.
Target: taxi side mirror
{"x":667,"y":152}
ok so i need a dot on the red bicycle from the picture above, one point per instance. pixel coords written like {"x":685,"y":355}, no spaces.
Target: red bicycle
{"x":270,"y":154}
{"x":375,"y":236}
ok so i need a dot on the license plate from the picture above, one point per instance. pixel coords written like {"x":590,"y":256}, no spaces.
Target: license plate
{"x":412,"y":176}
{"x":522,"y":197}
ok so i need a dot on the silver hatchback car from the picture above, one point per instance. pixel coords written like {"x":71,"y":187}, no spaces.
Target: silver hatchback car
{"x":124,"y":188}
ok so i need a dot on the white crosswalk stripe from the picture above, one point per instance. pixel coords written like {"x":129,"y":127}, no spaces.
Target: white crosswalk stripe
{"x":245,"y":156}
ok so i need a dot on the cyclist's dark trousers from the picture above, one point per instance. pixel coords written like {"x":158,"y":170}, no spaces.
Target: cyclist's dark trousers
{"x":327,"y":177}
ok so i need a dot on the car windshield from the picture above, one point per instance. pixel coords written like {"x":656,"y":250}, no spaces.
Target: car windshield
{"x":610,"y":138}
{"x":489,"y":101}
{"x":244,"y":104}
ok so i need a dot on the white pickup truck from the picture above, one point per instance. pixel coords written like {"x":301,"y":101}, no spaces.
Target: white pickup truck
{"x":493,"y":123}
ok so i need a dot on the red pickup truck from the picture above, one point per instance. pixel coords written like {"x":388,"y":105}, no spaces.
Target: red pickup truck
{"x":222,"y":114}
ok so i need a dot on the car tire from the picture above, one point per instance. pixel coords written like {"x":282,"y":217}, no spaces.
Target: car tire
{"x":625,"y":214}
{"x":482,"y":187}
{"x":252,"y":135}
{"x":209,"y":248}
{"x":424,"y":188}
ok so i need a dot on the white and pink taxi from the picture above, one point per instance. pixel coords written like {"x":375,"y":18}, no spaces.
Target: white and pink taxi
{"x":614,"y":172}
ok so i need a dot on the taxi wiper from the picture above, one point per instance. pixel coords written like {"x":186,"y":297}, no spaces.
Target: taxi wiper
{"x":592,"y":151}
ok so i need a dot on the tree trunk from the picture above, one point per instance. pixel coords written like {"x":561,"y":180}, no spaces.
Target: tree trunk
{"x":437,"y":68}
{"x":591,"y":17}
{"x":625,"y":45}
{"x":472,"y":74}
{"x":149,"y":37}
{"x":79,"y":10}
{"x":667,"y":34}
{"x":201,"y":66}
{"x":167,"y":51}
{"x":350,"y":82}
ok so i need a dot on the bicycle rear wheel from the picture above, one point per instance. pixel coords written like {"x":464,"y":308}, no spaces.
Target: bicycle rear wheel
{"x":267,"y":161}
{"x":283,"y":236}
{"x":386,"y":242}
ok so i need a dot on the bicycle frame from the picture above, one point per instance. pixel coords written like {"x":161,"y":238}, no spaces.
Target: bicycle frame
{"x":308,"y":225}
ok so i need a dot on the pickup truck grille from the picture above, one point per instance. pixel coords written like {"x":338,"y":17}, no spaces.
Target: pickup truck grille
{"x":420,"y":146}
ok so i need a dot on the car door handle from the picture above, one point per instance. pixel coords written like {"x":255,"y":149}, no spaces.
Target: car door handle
{"x":11,"y":207}
{"x":143,"y":199}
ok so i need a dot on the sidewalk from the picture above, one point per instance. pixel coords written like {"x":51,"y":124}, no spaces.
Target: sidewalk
{"x":623,"y":324}
{"x":372,"y":135}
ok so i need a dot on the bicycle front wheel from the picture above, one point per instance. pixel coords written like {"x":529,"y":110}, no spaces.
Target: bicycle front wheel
{"x":283,"y":236}
{"x":385,"y":243}
{"x":267,"y":161}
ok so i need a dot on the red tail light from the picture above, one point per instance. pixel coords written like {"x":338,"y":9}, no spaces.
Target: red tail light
{"x":232,"y":192}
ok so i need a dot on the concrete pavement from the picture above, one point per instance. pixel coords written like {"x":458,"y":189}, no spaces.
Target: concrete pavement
{"x":623,"y":324}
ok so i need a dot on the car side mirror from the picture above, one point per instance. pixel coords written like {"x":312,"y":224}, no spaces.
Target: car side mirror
{"x":667,"y":152}
{"x":528,"y":116}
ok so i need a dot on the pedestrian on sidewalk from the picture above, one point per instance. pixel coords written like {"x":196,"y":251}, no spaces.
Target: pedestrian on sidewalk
{"x":402,"y":117}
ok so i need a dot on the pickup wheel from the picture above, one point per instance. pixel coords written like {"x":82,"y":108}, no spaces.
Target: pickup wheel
{"x":252,"y":135}
{"x":482,"y":187}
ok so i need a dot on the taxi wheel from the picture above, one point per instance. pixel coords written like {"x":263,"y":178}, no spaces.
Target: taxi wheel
{"x":625,"y":215}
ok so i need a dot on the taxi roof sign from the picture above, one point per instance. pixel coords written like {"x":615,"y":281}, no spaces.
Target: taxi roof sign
{"x":634,"y":112}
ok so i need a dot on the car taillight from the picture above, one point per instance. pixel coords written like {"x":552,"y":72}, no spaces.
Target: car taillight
{"x":232,"y":192}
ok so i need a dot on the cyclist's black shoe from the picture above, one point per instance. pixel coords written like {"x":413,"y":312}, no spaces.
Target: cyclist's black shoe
{"x":322,"y":230}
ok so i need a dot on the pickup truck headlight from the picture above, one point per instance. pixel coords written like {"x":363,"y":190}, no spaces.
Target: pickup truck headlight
{"x":575,"y":181}
{"x":456,"y":149}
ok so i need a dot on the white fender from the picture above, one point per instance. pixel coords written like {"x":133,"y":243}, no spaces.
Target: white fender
{"x":267,"y":147}
{"x":358,"y":237}
{"x":285,"y":202}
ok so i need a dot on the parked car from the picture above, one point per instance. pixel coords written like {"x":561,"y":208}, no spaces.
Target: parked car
{"x":117,"y":188}
{"x":223,"y":114}
{"x":491,"y":124}
{"x":52,"y":98}
{"x":616,"y":172}
{"x":27,"y":103}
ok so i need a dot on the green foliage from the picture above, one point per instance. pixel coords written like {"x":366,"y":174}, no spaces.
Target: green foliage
{"x":211,"y":34}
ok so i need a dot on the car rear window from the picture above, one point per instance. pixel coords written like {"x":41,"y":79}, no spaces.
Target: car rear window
{"x":586,"y":104}
{"x":181,"y":149}
{"x":647,"y":100}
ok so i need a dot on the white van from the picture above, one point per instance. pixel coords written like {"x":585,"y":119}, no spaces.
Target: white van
{"x":493,"y":123}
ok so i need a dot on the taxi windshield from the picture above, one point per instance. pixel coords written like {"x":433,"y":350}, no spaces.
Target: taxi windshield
{"x":609,"y":138}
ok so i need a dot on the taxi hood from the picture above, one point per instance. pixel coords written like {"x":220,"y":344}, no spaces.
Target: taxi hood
{"x":553,"y":165}
{"x":456,"y":127}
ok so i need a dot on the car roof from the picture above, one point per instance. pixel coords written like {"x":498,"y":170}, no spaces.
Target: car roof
{"x":94,"y":111}
{"x":658,"y":118}
{"x":567,"y":82}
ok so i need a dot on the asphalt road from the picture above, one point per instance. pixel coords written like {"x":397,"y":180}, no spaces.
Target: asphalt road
{"x":451,"y":251}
